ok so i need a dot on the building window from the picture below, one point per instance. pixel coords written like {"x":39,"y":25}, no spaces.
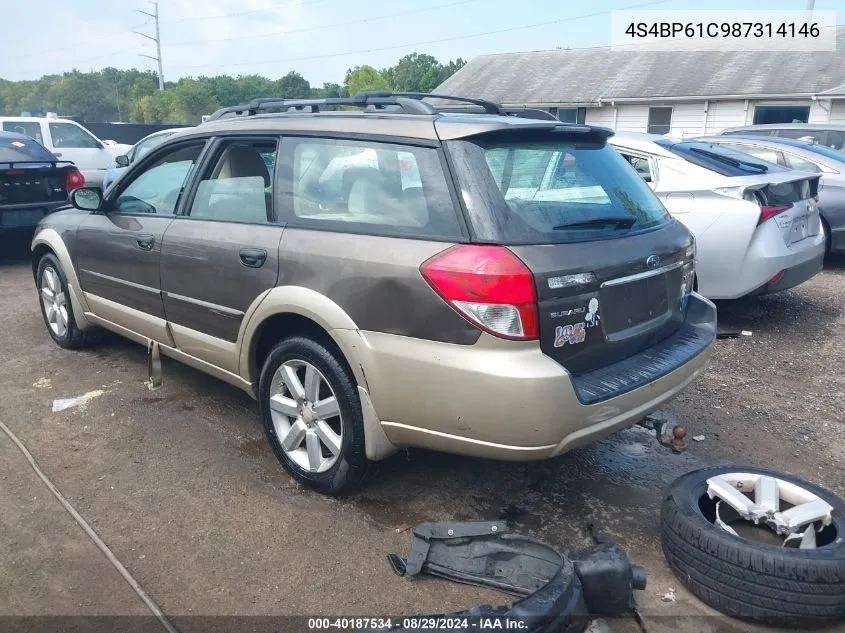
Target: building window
{"x":767,"y":114}
{"x":570,"y":115}
{"x":659,"y":120}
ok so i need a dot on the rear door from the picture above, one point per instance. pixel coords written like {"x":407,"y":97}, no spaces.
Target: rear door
{"x":222,"y":252}
{"x":120,"y":248}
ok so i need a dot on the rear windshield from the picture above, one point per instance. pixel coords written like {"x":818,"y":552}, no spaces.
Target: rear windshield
{"x":22,"y":149}
{"x":549,"y":192}
{"x":720,"y":159}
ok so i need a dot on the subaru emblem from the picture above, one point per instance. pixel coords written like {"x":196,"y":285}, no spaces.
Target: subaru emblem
{"x":653,"y":261}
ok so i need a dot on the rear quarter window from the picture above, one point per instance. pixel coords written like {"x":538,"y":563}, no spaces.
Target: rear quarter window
{"x":363,"y":186}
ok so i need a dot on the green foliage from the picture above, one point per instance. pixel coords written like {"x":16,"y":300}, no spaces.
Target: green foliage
{"x":365,"y":78}
{"x":133,"y":95}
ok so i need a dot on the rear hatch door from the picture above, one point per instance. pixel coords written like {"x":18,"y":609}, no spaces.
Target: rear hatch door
{"x":613,"y":270}
{"x":795,"y":192}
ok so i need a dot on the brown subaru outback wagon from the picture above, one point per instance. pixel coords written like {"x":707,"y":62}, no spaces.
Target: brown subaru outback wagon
{"x":382,"y":273}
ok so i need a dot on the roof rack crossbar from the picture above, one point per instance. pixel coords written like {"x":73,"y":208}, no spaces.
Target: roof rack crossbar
{"x":409,"y":102}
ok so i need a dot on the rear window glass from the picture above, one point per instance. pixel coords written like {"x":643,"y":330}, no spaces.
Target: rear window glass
{"x":20,"y":148}
{"x":548,"y":192}
{"x":720,"y":159}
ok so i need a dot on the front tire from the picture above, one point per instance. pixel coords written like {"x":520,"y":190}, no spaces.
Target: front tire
{"x":312,"y":415}
{"x":56,"y":307}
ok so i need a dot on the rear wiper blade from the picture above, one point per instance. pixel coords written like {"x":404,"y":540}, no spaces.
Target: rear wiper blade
{"x":616,"y":221}
{"x":734,"y":162}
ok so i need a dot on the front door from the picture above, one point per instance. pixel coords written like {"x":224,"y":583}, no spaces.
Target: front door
{"x":119,"y":250}
{"x":222,"y":251}
{"x":72,"y":142}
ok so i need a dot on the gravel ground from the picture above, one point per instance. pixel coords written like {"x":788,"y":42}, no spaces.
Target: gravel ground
{"x":183,"y":488}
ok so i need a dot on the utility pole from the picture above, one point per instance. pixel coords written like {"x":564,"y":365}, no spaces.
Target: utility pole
{"x":157,"y":40}
{"x":808,"y":11}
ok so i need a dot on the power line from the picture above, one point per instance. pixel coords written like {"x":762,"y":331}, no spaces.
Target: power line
{"x":239,"y":13}
{"x":325,"y":26}
{"x":157,"y":40}
{"x":427,"y":42}
{"x":103,"y":39}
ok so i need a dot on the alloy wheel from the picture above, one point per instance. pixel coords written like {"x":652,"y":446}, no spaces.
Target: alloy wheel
{"x":54,"y":301}
{"x":306,"y":416}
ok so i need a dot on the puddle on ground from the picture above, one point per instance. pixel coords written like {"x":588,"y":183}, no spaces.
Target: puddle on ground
{"x":617,"y":482}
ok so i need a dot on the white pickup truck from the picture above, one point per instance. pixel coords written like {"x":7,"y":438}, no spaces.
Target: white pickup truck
{"x":69,"y":141}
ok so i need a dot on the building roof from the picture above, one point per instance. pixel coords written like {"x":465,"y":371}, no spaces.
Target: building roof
{"x":590,"y":76}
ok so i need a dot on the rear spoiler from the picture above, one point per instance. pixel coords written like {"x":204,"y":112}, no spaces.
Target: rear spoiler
{"x":23,"y":163}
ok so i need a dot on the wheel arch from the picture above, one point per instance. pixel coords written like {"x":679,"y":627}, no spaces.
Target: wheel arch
{"x":292,"y":310}
{"x":48,"y":240}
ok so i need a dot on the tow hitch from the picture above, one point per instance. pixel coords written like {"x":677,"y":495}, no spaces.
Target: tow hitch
{"x":668,"y":434}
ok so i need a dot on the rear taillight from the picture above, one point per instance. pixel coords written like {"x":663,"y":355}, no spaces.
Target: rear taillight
{"x":767,"y":213}
{"x":487,"y":285}
{"x":13,"y":172}
{"x":74,"y":180}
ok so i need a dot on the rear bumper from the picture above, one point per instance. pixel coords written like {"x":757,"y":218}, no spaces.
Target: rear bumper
{"x":768,"y":257}
{"x":794,"y":276}
{"x":508,"y":400}
{"x":94,"y":177}
{"x":26,"y":216}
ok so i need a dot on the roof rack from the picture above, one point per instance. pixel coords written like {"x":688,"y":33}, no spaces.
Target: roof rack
{"x":372,"y":101}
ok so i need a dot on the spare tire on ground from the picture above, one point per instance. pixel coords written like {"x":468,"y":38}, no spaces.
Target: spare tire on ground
{"x":785,"y":569}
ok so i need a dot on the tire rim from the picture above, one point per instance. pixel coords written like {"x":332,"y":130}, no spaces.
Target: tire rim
{"x":306,"y":416}
{"x":746,"y":502}
{"x":54,"y":301}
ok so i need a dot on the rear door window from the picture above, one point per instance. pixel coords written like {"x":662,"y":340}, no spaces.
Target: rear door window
{"x":363,"y":186}
{"x":28,"y":128}
{"x":552,"y":191}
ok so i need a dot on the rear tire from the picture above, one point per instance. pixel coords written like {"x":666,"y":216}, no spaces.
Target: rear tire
{"x":312,"y":415}
{"x":56,"y":307}
{"x":746,"y":578}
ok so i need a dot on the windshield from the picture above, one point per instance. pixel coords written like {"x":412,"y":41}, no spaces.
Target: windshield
{"x":14,"y":148}
{"x":547,"y":192}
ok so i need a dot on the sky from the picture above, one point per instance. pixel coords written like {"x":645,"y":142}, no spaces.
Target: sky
{"x":320,"y":39}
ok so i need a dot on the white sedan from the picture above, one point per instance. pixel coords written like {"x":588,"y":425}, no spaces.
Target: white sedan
{"x":756,"y":224}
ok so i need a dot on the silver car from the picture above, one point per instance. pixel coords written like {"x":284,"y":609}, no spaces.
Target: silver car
{"x":756,"y":224}
{"x":803,"y":156}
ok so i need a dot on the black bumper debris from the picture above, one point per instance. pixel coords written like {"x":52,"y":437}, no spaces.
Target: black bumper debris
{"x":558,"y":592}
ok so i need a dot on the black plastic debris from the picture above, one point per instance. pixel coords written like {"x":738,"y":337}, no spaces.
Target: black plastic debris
{"x":559,"y":592}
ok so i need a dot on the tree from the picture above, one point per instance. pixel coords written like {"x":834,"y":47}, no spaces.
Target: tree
{"x":293,"y":86}
{"x":364,"y":78}
{"x":413,"y":73}
{"x":330,"y":91}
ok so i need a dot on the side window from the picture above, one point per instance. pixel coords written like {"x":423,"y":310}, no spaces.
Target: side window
{"x":641,"y":165}
{"x":71,"y":136}
{"x":239,"y":185}
{"x":32,"y":129}
{"x":384,"y":187}
{"x":158,"y":188}
{"x":801,"y":164}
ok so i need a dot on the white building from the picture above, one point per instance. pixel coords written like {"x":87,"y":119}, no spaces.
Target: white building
{"x":684,"y":93}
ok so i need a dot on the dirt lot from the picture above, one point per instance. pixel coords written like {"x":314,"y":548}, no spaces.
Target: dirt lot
{"x":182,"y":487}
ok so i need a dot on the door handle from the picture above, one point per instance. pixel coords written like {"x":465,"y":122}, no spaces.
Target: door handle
{"x":145,"y":242}
{"x":253,"y":257}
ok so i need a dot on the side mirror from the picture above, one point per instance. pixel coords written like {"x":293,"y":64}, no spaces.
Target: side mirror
{"x":86,"y":199}
{"x":122,"y":160}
